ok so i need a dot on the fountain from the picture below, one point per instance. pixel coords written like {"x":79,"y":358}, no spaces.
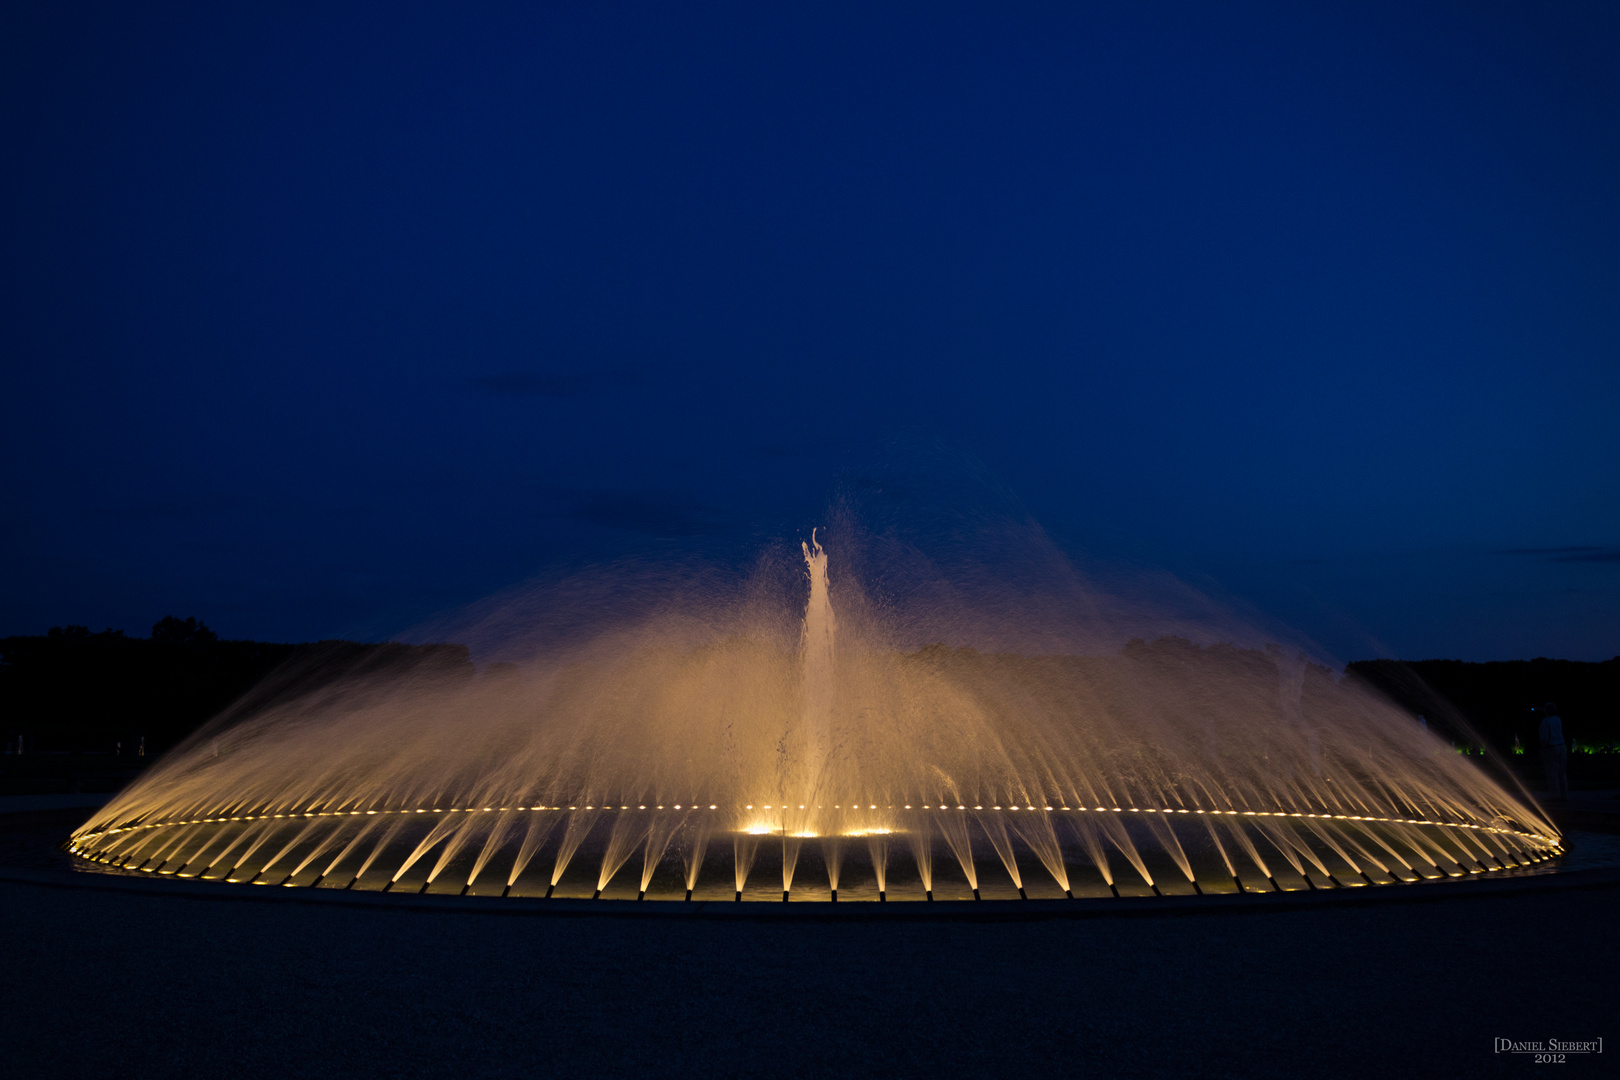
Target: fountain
{"x":695,"y":749}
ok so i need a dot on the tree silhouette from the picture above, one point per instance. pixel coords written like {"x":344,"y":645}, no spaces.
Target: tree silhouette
{"x":175,"y":631}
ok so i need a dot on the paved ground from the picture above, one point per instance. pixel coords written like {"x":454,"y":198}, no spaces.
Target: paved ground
{"x":101,"y":983}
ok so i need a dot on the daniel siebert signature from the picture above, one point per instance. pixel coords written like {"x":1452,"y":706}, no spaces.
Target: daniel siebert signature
{"x":1550,"y":1050}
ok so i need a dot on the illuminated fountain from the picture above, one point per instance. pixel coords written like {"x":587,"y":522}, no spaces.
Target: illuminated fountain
{"x":693,"y":750}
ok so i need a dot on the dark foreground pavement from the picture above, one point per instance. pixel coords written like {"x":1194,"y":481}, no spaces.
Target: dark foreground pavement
{"x":101,"y":983}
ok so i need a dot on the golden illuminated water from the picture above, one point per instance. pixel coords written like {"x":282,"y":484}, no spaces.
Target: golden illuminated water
{"x":680,"y":753}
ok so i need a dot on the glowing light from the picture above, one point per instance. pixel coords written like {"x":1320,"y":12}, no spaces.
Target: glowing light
{"x":83,"y":844}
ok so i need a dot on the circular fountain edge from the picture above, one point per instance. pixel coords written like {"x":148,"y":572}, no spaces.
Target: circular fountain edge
{"x":823,"y":911}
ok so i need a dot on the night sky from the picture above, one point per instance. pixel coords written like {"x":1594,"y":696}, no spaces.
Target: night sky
{"x":320,"y":321}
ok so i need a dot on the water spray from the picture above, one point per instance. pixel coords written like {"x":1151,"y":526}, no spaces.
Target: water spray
{"x":717,"y":700}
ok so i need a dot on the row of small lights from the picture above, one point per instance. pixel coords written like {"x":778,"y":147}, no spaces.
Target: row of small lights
{"x":1100,"y":809}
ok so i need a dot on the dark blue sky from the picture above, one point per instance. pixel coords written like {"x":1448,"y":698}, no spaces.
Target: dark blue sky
{"x":318,"y":321}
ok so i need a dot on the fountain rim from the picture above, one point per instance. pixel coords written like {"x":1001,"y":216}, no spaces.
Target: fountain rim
{"x":996,"y":910}
{"x":84,"y":835}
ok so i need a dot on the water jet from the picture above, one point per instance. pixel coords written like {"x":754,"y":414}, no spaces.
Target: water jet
{"x":920,"y":726}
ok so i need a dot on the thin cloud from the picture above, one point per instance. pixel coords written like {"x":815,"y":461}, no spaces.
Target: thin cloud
{"x":1598,"y":555}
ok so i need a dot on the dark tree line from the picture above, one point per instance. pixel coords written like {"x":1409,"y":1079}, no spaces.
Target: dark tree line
{"x":1490,"y":703}
{"x":76,"y":691}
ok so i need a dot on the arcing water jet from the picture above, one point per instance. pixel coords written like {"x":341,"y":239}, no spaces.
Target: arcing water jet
{"x":652,"y":736}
